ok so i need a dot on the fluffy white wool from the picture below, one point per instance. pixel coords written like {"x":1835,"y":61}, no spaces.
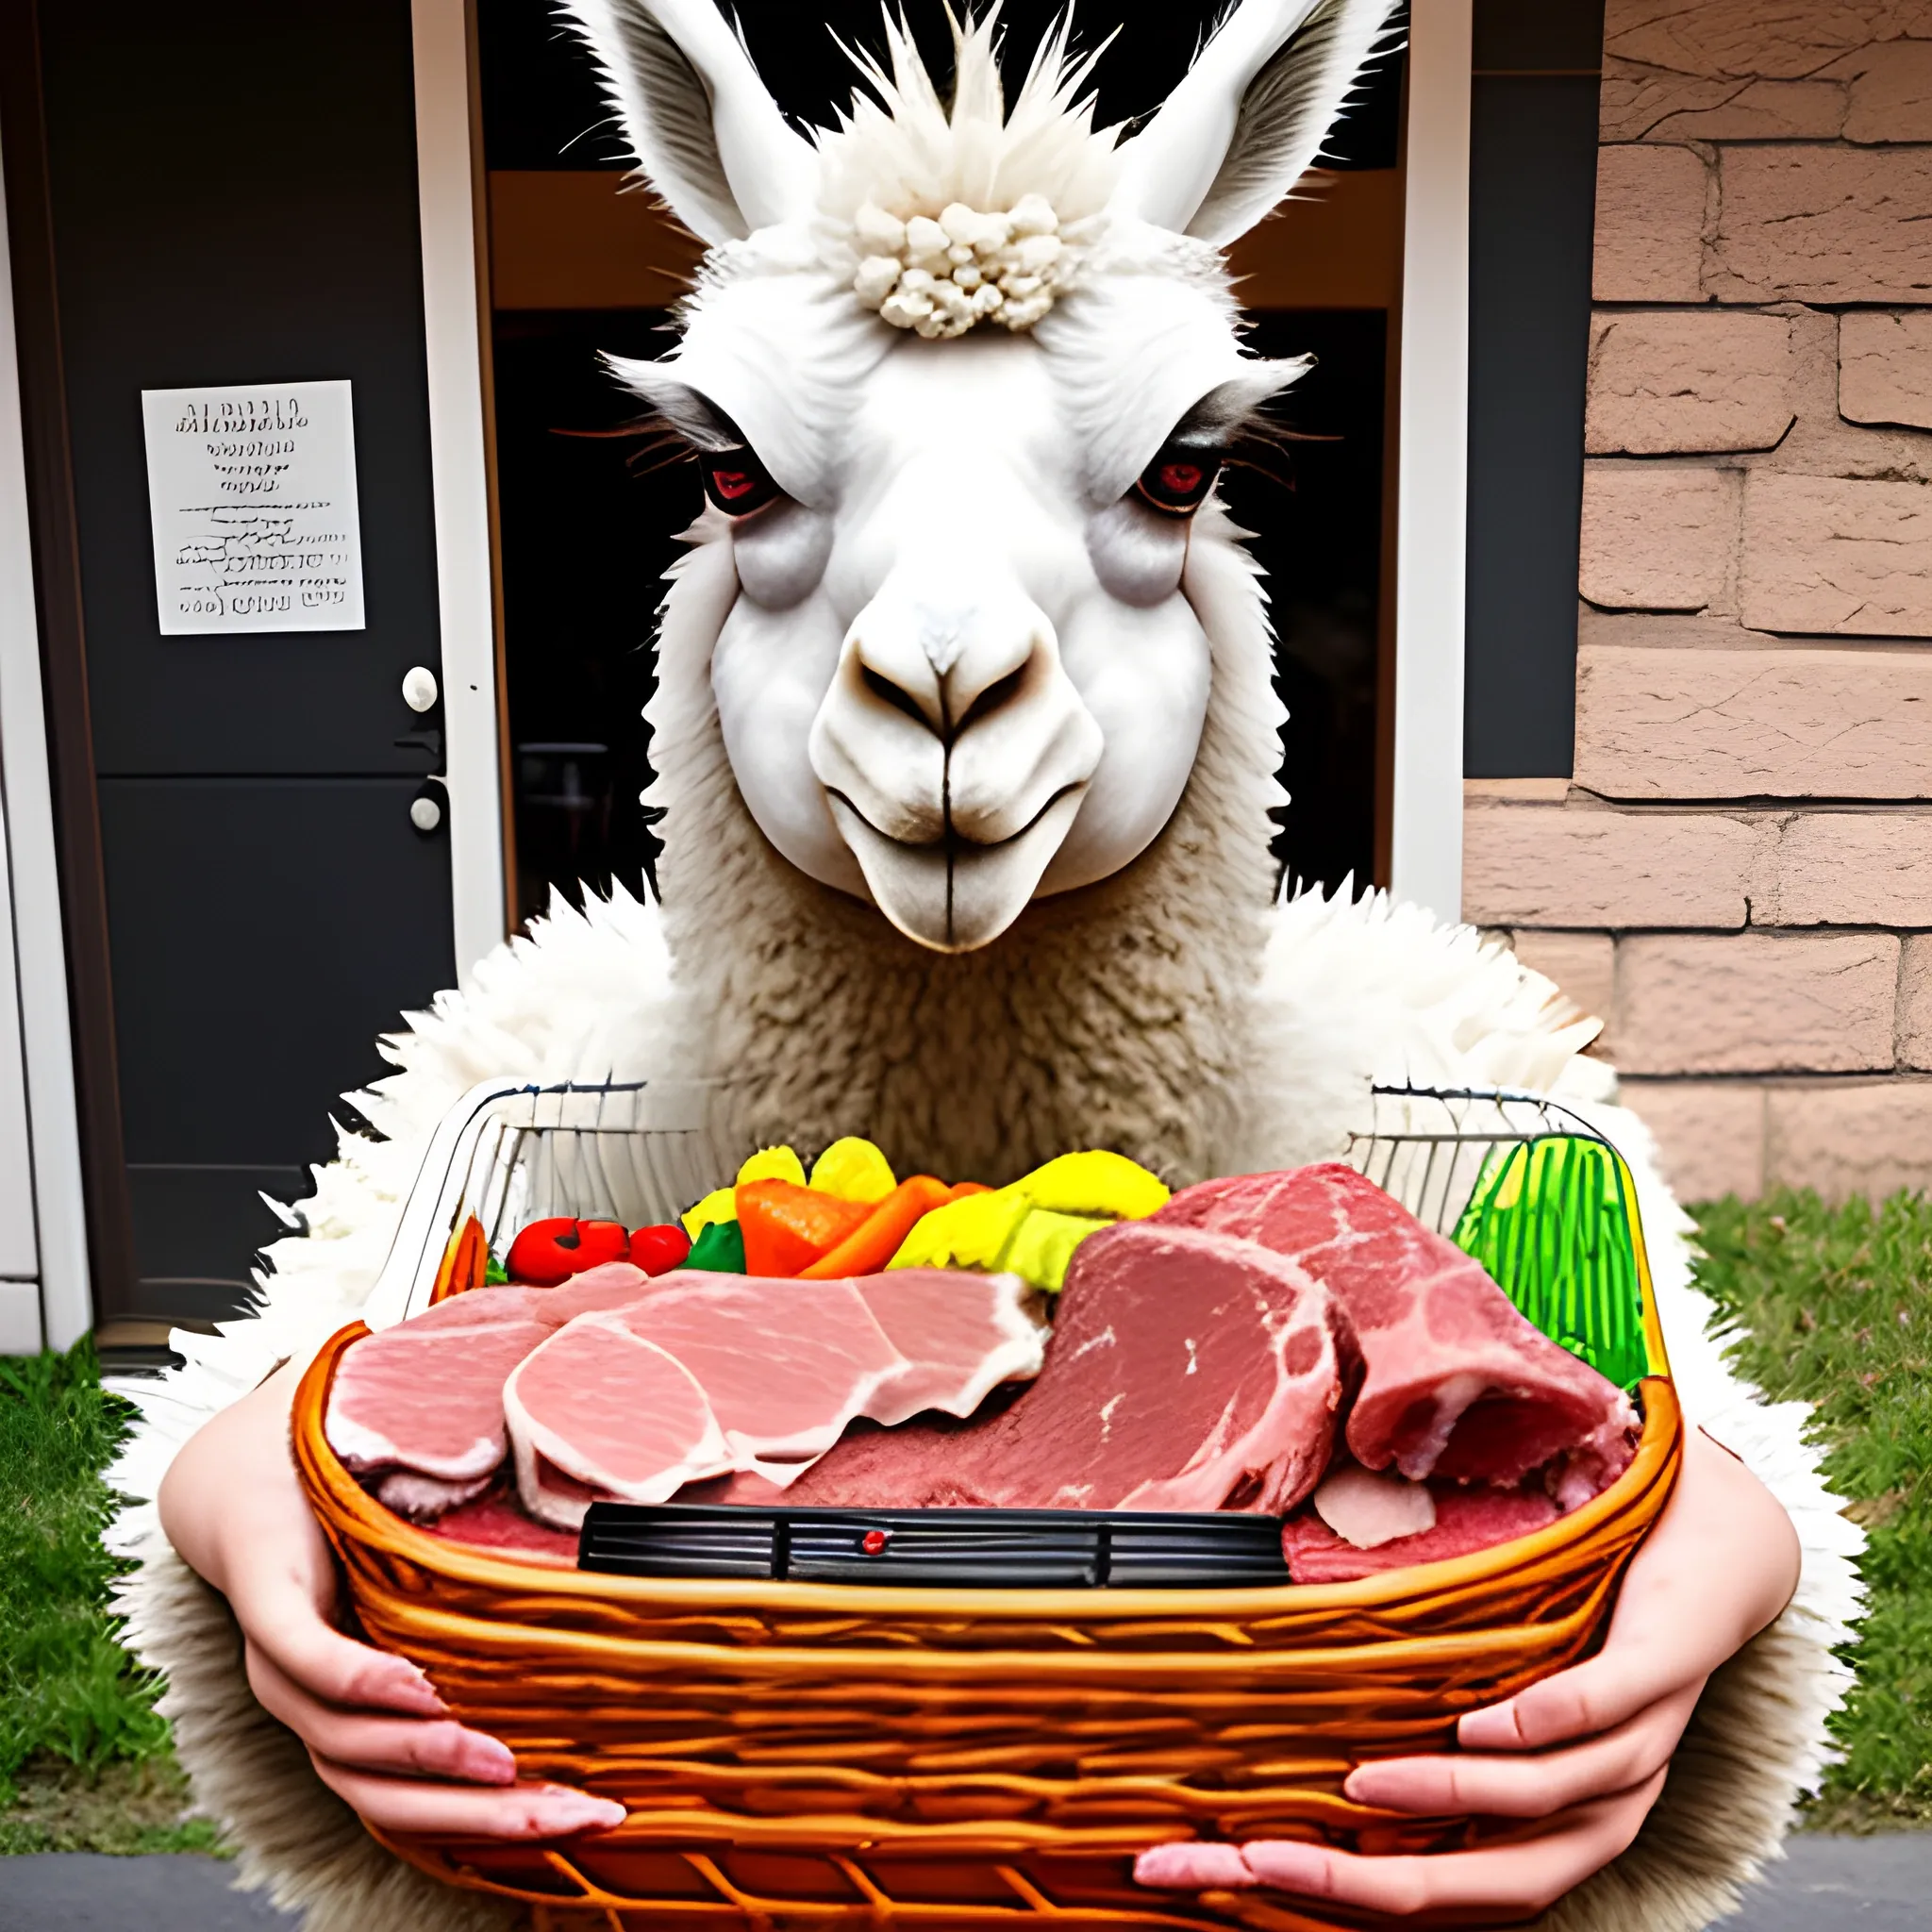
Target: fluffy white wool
{"x":902,"y":149}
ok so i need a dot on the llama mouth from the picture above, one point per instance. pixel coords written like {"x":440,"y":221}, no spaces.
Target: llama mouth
{"x":954,"y":895}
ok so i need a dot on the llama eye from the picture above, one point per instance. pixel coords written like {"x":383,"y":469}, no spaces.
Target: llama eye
{"x":736,"y":481}
{"x":1177,"y":482}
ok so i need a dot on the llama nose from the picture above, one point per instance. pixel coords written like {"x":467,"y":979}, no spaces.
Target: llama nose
{"x":947,"y":662}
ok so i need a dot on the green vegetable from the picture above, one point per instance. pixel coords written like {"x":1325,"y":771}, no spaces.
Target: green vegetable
{"x":1551,"y":1221}
{"x":720,"y":1247}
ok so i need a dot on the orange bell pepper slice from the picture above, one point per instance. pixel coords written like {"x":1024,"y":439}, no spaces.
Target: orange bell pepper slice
{"x":876,"y":1239}
{"x":786,"y":1226}
{"x":463,"y":1263}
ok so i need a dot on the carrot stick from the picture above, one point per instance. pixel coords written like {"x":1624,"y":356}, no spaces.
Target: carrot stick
{"x":876,"y":1240}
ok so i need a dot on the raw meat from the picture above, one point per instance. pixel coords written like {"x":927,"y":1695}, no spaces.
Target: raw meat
{"x":1466,"y":1520}
{"x":608,"y":1286}
{"x":783,"y":1367}
{"x":427,"y":1394}
{"x":1366,"y":1508}
{"x":1457,"y":1383}
{"x":1185,"y":1370}
{"x":424,"y":1498}
{"x":784,"y":1364}
{"x":478,"y":1308}
{"x":494,"y":1522}
{"x":611,"y":1412}
{"x":959,"y":1336}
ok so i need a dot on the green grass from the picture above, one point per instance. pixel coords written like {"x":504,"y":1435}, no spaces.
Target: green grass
{"x":1837,"y":1303}
{"x":84,"y":1760}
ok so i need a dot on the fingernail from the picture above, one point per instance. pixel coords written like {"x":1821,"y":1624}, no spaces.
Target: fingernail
{"x":1287,"y":1864}
{"x":491,"y":1761}
{"x":1374,"y":1784}
{"x":1194,"y":1866}
{"x":571,"y":1811}
{"x":1489,"y":1730}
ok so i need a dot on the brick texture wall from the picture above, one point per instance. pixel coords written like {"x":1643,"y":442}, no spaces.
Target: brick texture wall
{"x":1738,"y":877}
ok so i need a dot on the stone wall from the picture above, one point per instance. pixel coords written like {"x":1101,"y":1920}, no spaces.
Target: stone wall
{"x":1738,"y":877}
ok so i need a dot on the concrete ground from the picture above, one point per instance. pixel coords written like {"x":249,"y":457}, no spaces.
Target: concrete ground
{"x":1827,"y":1884}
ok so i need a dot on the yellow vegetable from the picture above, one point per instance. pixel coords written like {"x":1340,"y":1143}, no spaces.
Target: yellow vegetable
{"x":720,"y":1203}
{"x":772,"y":1164}
{"x":854,"y":1170}
{"x":1044,"y":1243}
{"x":1096,"y":1183}
{"x":1032,"y":1227}
{"x":972,"y":1233}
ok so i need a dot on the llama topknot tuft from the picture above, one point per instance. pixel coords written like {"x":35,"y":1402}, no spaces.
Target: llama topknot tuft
{"x":942,"y":276}
{"x":942,"y":215}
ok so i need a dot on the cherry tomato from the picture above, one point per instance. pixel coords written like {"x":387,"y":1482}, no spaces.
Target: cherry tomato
{"x":551,"y":1251}
{"x":658,"y":1250}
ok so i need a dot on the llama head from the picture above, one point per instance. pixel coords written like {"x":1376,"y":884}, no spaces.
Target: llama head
{"x":958,"y":375}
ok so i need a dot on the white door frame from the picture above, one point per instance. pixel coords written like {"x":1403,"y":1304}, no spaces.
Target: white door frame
{"x":1432,"y":480}
{"x":39,"y":1123}
{"x":454,"y":305}
{"x":1432,"y":476}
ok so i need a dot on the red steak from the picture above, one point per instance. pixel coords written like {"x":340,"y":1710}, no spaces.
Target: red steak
{"x":1466,"y":1520}
{"x":1457,"y":1383}
{"x":1184,"y":1372}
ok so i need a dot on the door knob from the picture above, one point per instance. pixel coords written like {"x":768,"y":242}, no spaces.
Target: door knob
{"x":419,"y":688}
{"x":425,"y":813}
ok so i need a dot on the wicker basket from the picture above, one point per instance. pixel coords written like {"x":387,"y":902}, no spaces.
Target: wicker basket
{"x":797,"y":1755}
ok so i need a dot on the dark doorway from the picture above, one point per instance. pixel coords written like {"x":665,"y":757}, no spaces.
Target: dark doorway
{"x":1315,"y":507}
{"x":587,"y":525}
{"x":589,"y":529}
{"x":208,"y":194}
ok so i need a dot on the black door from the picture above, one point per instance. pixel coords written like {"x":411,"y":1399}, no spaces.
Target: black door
{"x":231,"y":195}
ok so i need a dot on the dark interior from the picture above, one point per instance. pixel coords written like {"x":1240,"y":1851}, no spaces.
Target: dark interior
{"x":589,"y":523}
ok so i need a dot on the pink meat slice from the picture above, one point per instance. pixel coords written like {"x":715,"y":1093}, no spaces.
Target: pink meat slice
{"x":784,"y":1364}
{"x":1185,"y":1370}
{"x":611,"y":1412}
{"x":783,"y":1367}
{"x":1457,"y":1383}
{"x":428,"y":1396}
{"x":424,"y":1498}
{"x":1466,"y":1520}
{"x":610,"y":1287}
{"x":478,"y":1308}
{"x":959,"y":1336}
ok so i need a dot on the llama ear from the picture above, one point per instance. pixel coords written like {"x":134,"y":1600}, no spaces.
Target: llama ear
{"x":1249,"y":117}
{"x":698,"y":119}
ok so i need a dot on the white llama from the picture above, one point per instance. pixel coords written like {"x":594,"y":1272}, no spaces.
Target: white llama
{"x":966,"y":739}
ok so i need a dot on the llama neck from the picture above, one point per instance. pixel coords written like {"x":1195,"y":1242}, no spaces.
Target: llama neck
{"x":1113,"y":1016}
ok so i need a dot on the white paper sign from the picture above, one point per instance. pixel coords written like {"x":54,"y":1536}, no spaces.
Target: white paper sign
{"x":252,"y":492}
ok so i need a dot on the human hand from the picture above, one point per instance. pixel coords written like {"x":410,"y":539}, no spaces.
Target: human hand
{"x":376,"y":1729}
{"x":1583,"y":1753}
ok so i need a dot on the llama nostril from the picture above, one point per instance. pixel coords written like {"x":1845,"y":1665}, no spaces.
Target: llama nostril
{"x":896,"y":695}
{"x":990,"y":700}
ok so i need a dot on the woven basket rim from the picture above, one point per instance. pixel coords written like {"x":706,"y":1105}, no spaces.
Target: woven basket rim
{"x":357,"y":1514}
